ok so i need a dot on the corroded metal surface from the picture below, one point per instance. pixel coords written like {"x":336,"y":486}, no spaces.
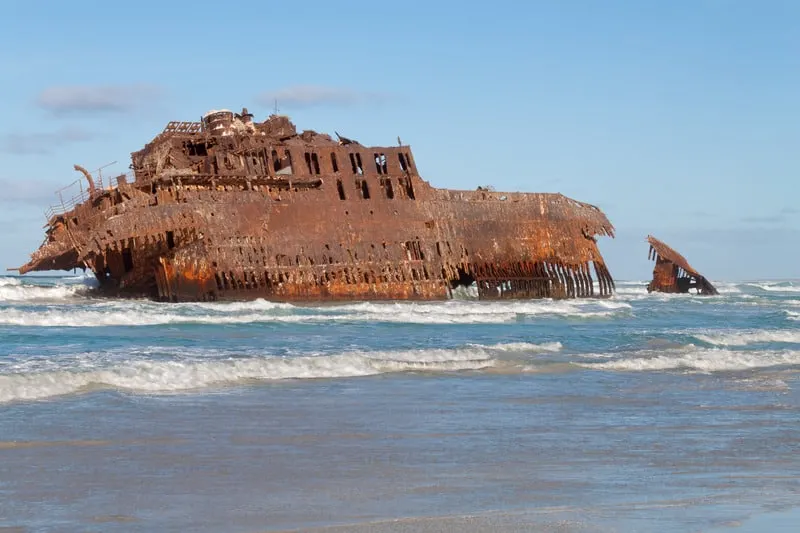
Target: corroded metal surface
{"x":228,"y":208}
{"x":672,"y":273}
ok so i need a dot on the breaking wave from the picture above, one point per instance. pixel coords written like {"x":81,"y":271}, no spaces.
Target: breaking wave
{"x":726,"y":287}
{"x":525,"y":346}
{"x":13,"y":290}
{"x":743,"y":338}
{"x":631,"y":289}
{"x":692,"y":358}
{"x":170,"y":376}
{"x":140,"y":313}
{"x":776,"y":286}
{"x":637,"y":290}
{"x":480,"y":312}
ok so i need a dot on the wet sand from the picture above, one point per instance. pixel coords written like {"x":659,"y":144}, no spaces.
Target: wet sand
{"x":495,"y":522}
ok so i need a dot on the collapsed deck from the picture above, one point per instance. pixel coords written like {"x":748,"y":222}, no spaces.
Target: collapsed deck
{"x":672,"y":273}
{"x":227,"y":208}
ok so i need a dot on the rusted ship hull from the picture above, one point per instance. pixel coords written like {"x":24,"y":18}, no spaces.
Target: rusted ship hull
{"x":321,"y":232}
{"x":673,"y":274}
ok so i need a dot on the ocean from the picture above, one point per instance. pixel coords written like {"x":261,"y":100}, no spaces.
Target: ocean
{"x":643,"y":412}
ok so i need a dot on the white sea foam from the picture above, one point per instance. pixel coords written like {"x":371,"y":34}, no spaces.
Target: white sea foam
{"x":139,"y":313}
{"x":726,"y":287}
{"x":465,"y":293}
{"x":631,"y":289}
{"x":443,"y":312}
{"x":793,"y":315}
{"x":97,"y":316}
{"x":153,"y":376}
{"x":525,"y":346}
{"x":14,"y":290}
{"x":776,"y":286}
{"x":743,"y":338}
{"x":692,"y":358}
{"x":235,"y":307}
{"x":33,"y":293}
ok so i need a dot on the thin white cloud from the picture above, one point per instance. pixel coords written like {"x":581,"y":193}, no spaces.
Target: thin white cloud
{"x":66,"y":99}
{"x":36,"y":192}
{"x":782,"y":216}
{"x":767,"y":219}
{"x":305,"y":96}
{"x":42,"y":142}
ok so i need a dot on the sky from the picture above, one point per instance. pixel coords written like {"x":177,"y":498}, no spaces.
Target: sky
{"x":678,"y":119}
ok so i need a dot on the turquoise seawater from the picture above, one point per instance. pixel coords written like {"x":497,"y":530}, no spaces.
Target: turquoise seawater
{"x":643,"y":412}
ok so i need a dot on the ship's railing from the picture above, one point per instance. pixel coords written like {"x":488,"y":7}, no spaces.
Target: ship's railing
{"x":183,"y":127}
{"x":75,"y":193}
{"x":128,"y":177}
{"x":69,"y":196}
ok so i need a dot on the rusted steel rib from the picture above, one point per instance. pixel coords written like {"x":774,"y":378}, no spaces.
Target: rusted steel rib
{"x":672,"y":272}
{"x":228,"y":208}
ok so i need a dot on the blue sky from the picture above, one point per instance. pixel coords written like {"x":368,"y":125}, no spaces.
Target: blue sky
{"x":680,"y":119}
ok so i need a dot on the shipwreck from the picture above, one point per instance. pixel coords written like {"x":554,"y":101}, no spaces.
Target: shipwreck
{"x":672,"y":273}
{"x":230,"y":208}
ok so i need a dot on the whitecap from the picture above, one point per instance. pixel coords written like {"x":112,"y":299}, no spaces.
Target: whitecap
{"x":171,"y":376}
{"x":697,"y":359}
{"x":776,"y":286}
{"x":743,"y":338}
{"x":144,"y":313}
{"x":38,"y":293}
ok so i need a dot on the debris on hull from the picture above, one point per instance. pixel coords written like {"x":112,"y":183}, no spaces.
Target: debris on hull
{"x":673,"y":274}
{"x":231,"y":209}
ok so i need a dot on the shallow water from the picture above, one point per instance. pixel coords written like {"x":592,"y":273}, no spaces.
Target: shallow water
{"x":638,"y":413}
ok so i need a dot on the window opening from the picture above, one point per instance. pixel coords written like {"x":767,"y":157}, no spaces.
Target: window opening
{"x":276,"y":161}
{"x":380,"y":163}
{"x":363,"y":187}
{"x":196,"y":148}
{"x":288,"y":158}
{"x":355,"y":161}
{"x":405,"y":183}
{"x":386,"y":183}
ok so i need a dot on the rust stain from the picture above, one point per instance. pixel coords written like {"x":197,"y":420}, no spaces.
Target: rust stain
{"x":228,"y":208}
{"x":672,"y":273}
